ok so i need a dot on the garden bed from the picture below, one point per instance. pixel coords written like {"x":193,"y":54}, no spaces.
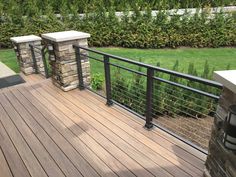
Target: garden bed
{"x":197,"y":131}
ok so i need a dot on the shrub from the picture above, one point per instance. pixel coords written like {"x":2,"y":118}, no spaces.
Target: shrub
{"x":141,"y":30}
{"x":97,"y":81}
{"x":167,"y":99}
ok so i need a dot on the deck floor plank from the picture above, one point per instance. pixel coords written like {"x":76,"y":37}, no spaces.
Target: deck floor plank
{"x":4,"y":168}
{"x":98,"y":113}
{"x":76,"y":143}
{"x":21,"y":145}
{"x":148,"y":143}
{"x":129,"y":139}
{"x":41,"y":153}
{"x":47,"y":132}
{"x":60,"y":161}
{"x":14,"y":160}
{"x":136,"y":123}
{"x":122,"y":157}
{"x":156,"y":169}
{"x":79,"y":162}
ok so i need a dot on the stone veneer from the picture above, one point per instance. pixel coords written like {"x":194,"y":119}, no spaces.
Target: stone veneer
{"x":221,"y":162}
{"x":24,"y":56}
{"x":63,"y":58}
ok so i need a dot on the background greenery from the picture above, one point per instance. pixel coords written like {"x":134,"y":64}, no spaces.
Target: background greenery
{"x":29,"y":7}
{"x":137,"y":31}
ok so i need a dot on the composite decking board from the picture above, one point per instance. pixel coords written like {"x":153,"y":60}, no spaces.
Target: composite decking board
{"x":124,"y":146}
{"x":132,"y":152}
{"x":62,"y":162}
{"x":100,"y":166}
{"x":41,"y":153}
{"x":4,"y":167}
{"x":33,"y":78}
{"x":79,"y":162}
{"x":167,"y":137}
{"x":138,"y":170}
{"x":201,"y":157}
{"x":192,"y":155}
{"x":22,"y":147}
{"x":179,"y":152}
{"x":121,"y":157}
{"x":111,"y":140}
{"x":138,"y":144}
{"x":145,"y":140}
{"x":14,"y":160}
{"x":173,"y":168}
{"x":181,"y":161}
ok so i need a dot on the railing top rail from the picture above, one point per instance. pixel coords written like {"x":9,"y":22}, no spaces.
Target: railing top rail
{"x":167,"y":71}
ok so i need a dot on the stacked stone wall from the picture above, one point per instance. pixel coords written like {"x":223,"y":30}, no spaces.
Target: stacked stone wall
{"x":221,"y":162}
{"x":25,"y":59}
{"x":64,"y":65}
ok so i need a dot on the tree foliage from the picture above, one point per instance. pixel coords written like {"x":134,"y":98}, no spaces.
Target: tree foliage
{"x":141,"y":30}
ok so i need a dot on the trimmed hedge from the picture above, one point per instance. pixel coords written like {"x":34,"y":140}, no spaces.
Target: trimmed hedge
{"x":137,"y":31}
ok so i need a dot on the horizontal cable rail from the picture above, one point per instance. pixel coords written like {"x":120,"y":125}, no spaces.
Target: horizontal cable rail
{"x":194,"y":78}
{"x":178,"y":103}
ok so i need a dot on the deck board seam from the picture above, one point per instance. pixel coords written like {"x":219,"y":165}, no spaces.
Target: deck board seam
{"x":137,"y":120}
{"x":35,"y":134}
{"x":55,"y":142}
{"x":95,"y":139}
{"x":69,"y":107}
{"x":1,"y":150}
{"x":63,"y":137}
{"x":22,"y":135}
{"x":14,"y":145}
{"x":117,"y":136}
{"x":134,"y":138}
{"x":87,"y":98}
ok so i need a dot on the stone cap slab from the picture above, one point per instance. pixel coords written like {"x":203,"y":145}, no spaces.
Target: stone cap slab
{"x":65,"y":36}
{"x":24,"y":39}
{"x":226,"y":78}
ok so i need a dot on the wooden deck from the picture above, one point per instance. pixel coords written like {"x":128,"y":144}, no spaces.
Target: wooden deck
{"x":47,"y":132}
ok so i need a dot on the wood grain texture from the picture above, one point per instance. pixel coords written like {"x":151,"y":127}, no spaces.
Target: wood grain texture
{"x":47,"y":132}
{"x":4,"y":168}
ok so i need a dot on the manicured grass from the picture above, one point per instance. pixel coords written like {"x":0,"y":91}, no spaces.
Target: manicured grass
{"x":8,"y":57}
{"x":217,"y":58}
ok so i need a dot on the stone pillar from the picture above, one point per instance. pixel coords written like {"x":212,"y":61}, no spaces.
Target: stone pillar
{"x":221,"y":162}
{"x":63,"y":60}
{"x":24,"y":56}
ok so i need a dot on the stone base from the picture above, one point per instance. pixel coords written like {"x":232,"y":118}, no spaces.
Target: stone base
{"x":221,"y":162}
{"x":24,"y":55}
{"x":64,"y":67}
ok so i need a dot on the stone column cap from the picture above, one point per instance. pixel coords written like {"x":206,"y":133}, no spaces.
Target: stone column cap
{"x":226,"y":78}
{"x":24,"y":39}
{"x":65,"y":36}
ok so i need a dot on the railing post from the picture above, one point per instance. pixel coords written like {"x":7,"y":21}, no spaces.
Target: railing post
{"x":34,"y":59}
{"x":44,"y":63}
{"x":149,"y":94}
{"x":107,"y":80}
{"x":79,"y":68}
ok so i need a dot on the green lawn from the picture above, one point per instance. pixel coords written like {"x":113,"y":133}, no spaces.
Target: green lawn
{"x":217,"y":58}
{"x":8,"y":57}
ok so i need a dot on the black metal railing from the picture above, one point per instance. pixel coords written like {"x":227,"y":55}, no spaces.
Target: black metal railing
{"x":171,"y":98}
{"x":41,"y":52}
